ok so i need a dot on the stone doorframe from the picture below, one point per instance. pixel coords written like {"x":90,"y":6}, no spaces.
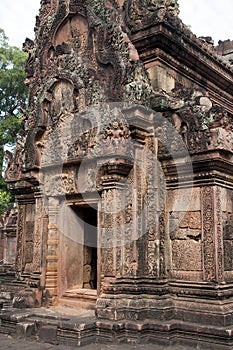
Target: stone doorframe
{"x":65,"y":258}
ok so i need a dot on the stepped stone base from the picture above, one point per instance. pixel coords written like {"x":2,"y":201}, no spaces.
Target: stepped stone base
{"x":79,"y":327}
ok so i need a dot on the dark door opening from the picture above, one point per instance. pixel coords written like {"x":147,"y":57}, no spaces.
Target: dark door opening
{"x":89,"y":268}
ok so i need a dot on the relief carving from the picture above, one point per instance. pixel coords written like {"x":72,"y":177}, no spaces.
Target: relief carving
{"x":115,"y":138}
{"x":220,"y":130}
{"x":208,"y":234}
{"x":140,"y":13}
{"x":15,"y":159}
{"x":219,"y":232}
{"x":59,"y":184}
{"x":199,"y":124}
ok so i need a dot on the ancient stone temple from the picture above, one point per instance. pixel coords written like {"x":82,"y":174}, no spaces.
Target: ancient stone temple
{"x":123,"y":176}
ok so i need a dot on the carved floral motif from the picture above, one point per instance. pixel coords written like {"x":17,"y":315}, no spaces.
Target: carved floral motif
{"x":208,"y":233}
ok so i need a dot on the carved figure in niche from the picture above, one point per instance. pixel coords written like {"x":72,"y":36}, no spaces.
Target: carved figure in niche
{"x":39,"y":150}
{"x":51,"y":55}
{"x":138,"y":88}
{"x":115,"y":136}
{"x":184,"y":132}
{"x":19,"y":148}
{"x":62,"y":100}
{"x":115,"y":133}
{"x":181,"y":127}
{"x":25,"y":117}
{"x":91,"y":180}
{"x":45,"y":109}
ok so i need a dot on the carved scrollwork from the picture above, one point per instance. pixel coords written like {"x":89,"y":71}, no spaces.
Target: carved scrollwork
{"x":58,"y":185}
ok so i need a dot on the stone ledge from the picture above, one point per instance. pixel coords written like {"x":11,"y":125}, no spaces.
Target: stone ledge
{"x":80,"y":328}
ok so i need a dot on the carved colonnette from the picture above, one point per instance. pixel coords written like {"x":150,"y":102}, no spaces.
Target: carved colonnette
{"x":52,"y":245}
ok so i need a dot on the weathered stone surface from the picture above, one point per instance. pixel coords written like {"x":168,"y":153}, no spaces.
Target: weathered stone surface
{"x":190,"y":220}
{"x":27,"y":298}
{"x":48,"y":334}
{"x":186,"y":255}
{"x":228,"y":250}
{"x":25,"y":329}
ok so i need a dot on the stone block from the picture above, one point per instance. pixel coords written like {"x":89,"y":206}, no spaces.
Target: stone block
{"x":192,"y":203}
{"x":228,"y":254}
{"x":228,"y":227}
{"x":186,"y":255}
{"x":48,"y":334}
{"x":184,"y":233}
{"x":25,"y":329}
{"x":29,"y":230}
{"x":29,"y":252}
{"x":191,"y":219}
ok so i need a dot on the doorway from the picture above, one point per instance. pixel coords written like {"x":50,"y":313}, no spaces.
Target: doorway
{"x":89,"y":217}
{"x":79,"y":248}
{"x":79,"y":255}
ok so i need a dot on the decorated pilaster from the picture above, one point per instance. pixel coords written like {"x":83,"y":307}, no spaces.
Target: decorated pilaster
{"x":212,"y":231}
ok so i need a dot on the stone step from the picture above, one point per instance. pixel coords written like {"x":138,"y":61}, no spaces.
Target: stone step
{"x":79,"y":298}
{"x":77,"y":303}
